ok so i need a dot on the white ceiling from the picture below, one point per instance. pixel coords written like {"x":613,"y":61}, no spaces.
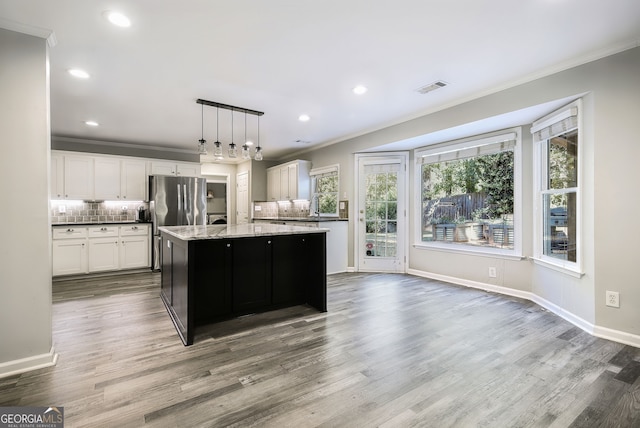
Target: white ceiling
{"x":286,"y":57}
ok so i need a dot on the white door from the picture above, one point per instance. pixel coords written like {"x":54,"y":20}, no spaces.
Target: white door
{"x":381,"y":212}
{"x":242,"y":198}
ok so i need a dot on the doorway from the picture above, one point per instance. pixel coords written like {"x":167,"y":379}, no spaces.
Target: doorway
{"x":242,"y":198}
{"x":381,"y":209}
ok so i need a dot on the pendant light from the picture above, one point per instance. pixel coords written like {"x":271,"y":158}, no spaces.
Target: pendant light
{"x":245,"y":147}
{"x":258,"y":155}
{"x":217,"y":146}
{"x":233,"y":152}
{"x":202,"y":143}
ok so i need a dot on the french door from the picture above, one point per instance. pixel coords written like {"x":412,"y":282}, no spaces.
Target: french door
{"x":381,"y":210}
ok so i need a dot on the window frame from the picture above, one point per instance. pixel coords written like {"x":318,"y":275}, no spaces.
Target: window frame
{"x":540,"y":190}
{"x":514,"y":134}
{"x":316,"y":173}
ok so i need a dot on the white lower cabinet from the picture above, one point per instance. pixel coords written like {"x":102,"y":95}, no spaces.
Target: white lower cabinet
{"x":134,"y":247}
{"x":69,"y":257}
{"x":87,"y":249}
{"x":103,"y":254}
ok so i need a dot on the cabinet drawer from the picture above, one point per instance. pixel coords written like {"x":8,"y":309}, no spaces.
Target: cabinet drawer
{"x":69,"y":232}
{"x":134,"y":230}
{"x":103,"y":231}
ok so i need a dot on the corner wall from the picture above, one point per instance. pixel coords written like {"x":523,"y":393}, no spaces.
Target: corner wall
{"x":25,"y":265}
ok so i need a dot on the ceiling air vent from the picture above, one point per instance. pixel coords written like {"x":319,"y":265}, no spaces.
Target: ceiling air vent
{"x":431,"y":87}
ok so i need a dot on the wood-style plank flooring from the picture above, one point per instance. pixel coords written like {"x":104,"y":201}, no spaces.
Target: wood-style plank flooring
{"x":392,"y":351}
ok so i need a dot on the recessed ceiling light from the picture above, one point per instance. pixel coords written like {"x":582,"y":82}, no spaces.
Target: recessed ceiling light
{"x":116,"y":18}
{"x":304,"y":118}
{"x":81,"y":74}
{"x":249,"y":143}
{"x":360,"y":89}
{"x":91,"y":123}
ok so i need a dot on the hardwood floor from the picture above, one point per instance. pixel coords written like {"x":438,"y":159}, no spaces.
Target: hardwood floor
{"x":392,"y":351}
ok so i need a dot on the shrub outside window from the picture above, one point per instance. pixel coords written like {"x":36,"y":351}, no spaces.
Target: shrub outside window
{"x":468,"y":193}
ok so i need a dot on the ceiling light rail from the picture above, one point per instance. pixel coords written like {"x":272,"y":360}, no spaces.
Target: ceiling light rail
{"x":229,"y":107}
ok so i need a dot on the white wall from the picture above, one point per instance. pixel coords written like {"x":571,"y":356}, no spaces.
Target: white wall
{"x":610,"y":88}
{"x":25,"y":265}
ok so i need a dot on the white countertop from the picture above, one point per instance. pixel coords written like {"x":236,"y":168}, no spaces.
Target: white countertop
{"x":226,"y":231}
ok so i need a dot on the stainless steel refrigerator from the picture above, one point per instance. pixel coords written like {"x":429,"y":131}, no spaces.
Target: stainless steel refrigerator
{"x":175,"y":201}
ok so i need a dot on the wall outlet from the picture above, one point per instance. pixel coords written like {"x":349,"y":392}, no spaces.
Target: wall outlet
{"x":62,"y":209}
{"x":613,"y":299}
{"x":492,"y":272}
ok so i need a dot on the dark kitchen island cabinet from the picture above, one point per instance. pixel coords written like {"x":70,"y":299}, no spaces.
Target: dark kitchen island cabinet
{"x":211,"y":273}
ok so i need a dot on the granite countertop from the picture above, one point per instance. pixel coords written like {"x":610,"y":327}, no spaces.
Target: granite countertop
{"x":310,"y":219}
{"x":226,"y":231}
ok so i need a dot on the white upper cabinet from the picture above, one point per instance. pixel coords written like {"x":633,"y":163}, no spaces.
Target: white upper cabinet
{"x":107,"y":178}
{"x":188,"y":169}
{"x":78,"y":177}
{"x":182,"y":169}
{"x":57,"y":176}
{"x":133,"y":180}
{"x":289,"y":181}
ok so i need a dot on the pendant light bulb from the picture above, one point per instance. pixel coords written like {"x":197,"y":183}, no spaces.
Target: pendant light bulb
{"x":202,"y":143}
{"x":217,"y":146}
{"x":233,"y":151}
{"x":258,"y":155}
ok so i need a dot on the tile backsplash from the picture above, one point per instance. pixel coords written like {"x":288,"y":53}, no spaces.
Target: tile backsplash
{"x":281,"y":209}
{"x":284,"y":209}
{"x":64,"y":212}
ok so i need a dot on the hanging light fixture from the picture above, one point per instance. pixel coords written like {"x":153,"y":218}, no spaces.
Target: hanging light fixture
{"x":258,"y":155}
{"x":202,"y":143}
{"x":233,"y":152}
{"x":232,"y":149}
{"x":245,"y":146}
{"x":217,"y":146}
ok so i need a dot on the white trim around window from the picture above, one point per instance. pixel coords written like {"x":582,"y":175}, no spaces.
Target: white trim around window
{"x":562,"y":121}
{"x":509,"y":139}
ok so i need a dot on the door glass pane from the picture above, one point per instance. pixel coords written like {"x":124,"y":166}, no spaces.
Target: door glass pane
{"x":381,"y":207}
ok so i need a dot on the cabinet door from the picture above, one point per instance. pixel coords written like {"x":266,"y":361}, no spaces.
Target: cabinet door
{"x":284,"y":184}
{"x":103,"y":254}
{"x":69,"y":256}
{"x":188,"y":170}
{"x":134,"y":252}
{"x":163,"y":168}
{"x":293,"y":181}
{"x":78,"y":177}
{"x":290,"y":260}
{"x":273,"y":184}
{"x":133,"y":180}
{"x":106,"y":178}
{"x":213,"y":274}
{"x":57,"y":176}
{"x":251,"y":274}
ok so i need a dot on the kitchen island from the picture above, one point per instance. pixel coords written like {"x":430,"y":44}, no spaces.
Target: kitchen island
{"x":216,"y":272}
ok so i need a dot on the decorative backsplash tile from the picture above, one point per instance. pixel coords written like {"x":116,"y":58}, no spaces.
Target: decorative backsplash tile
{"x":281,"y":209}
{"x":64,"y":212}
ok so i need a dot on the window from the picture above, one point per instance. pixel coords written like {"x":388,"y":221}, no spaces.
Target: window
{"x":468,"y":194}
{"x":558,"y":192}
{"x":325,"y":187}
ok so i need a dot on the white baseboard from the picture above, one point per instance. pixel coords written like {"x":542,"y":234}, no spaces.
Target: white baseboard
{"x":35,"y":362}
{"x":595,"y":330}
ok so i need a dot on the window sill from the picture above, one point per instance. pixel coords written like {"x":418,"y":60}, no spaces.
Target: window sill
{"x":497,"y":253}
{"x":573,"y":271}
